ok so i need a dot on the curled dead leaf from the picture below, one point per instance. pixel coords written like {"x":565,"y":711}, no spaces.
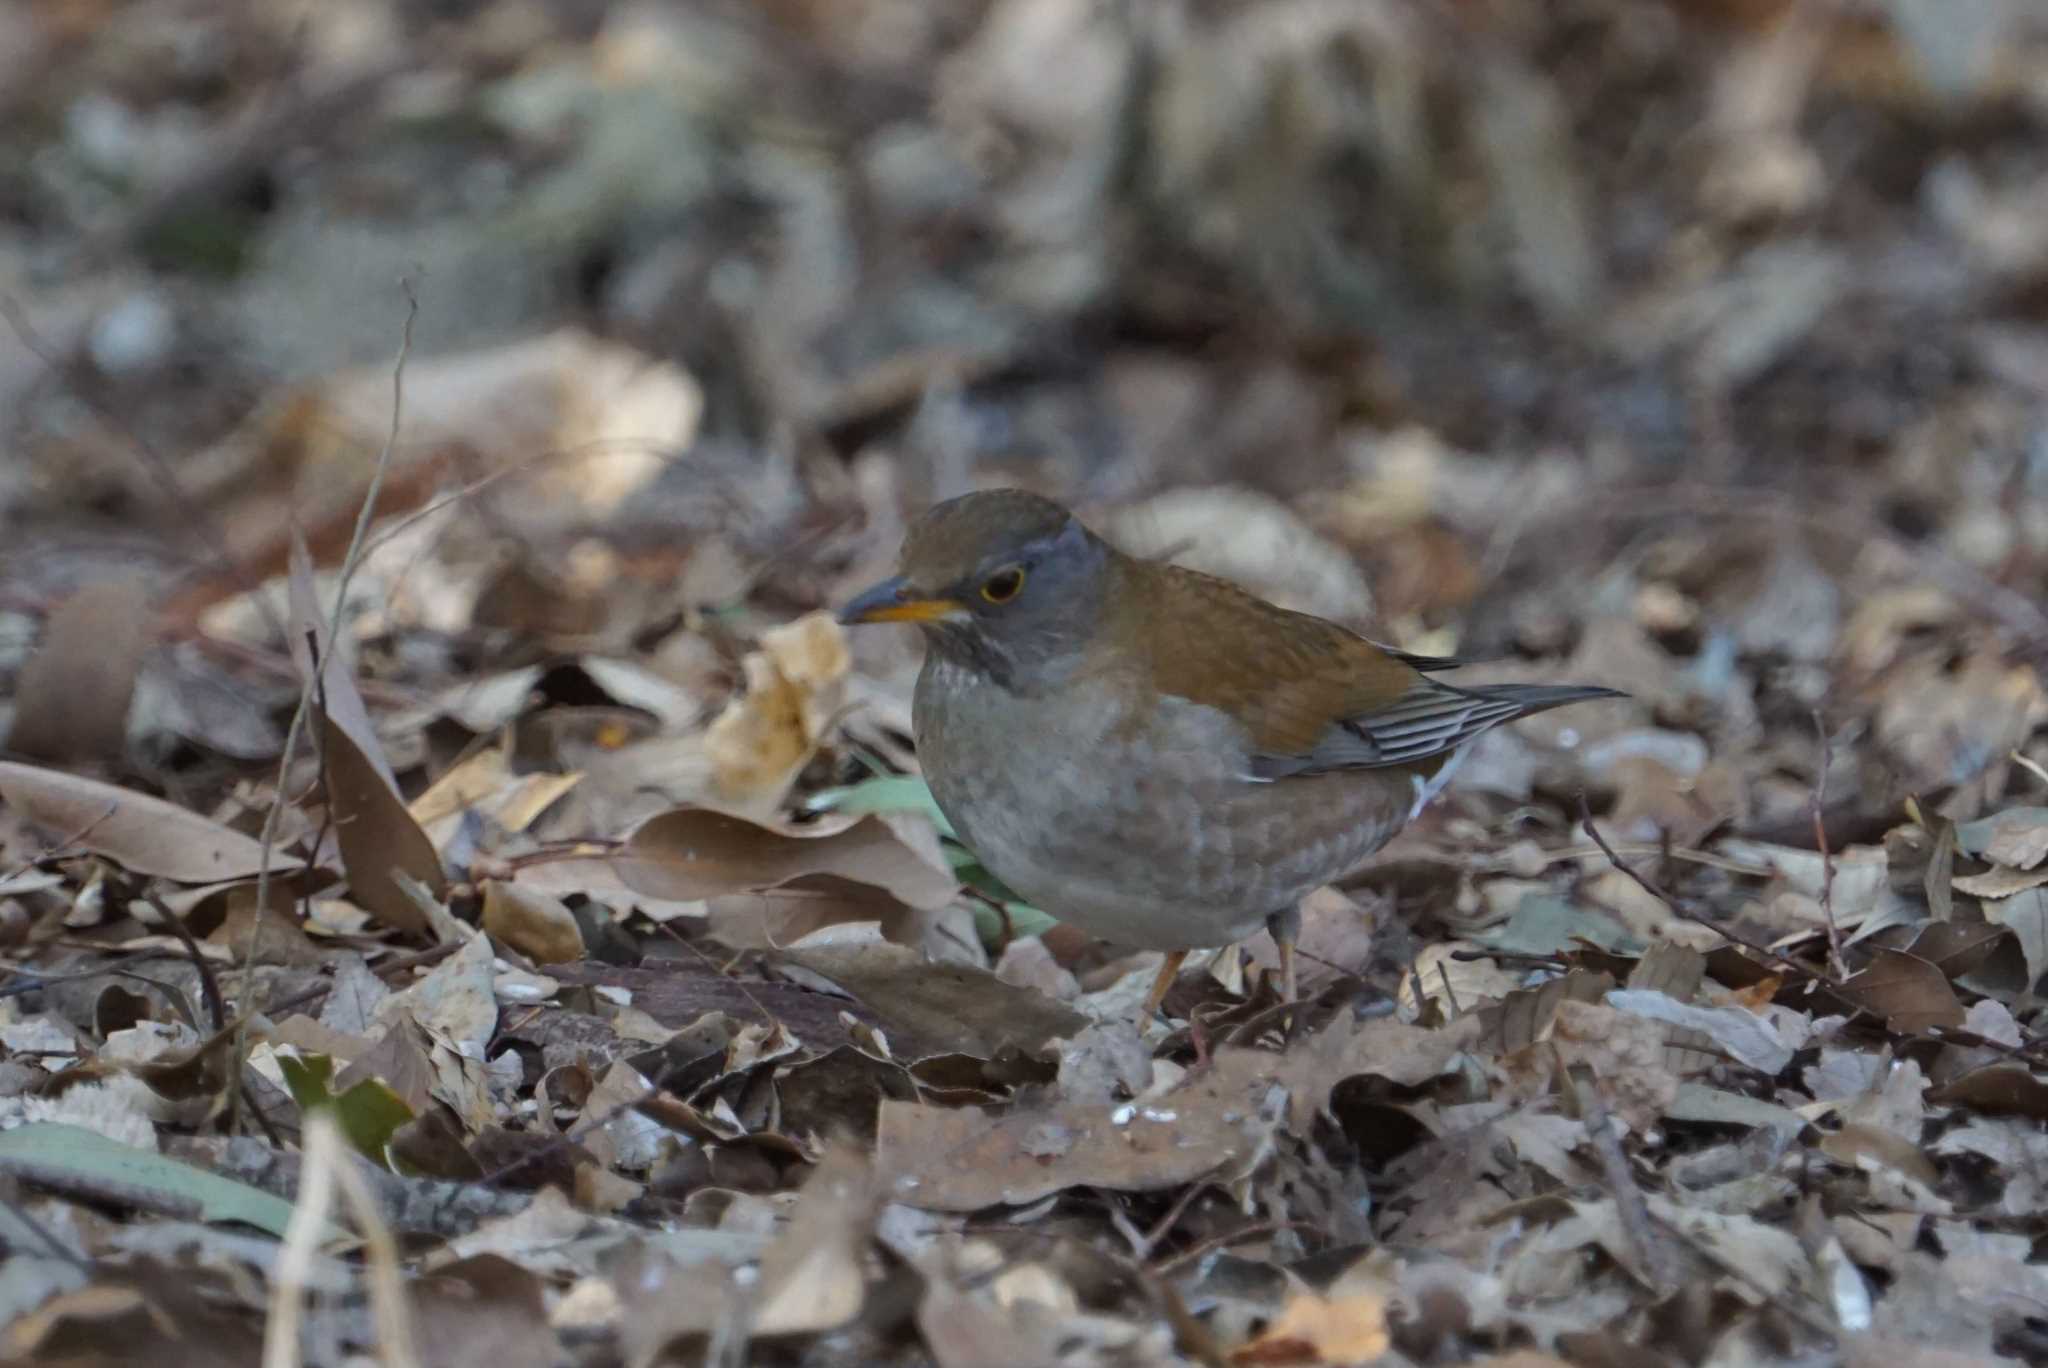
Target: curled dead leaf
{"x":794,"y":687}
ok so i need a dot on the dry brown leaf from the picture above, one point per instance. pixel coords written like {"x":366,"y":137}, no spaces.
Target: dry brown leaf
{"x":1909,"y":993}
{"x":476,"y":778}
{"x":2016,"y":838}
{"x":965,"y":1331}
{"x":454,"y":1000}
{"x":398,"y":1059}
{"x":811,"y":1278}
{"x":691,"y":853}
{"x":482,"y":1312}
{"x":963,"y":1159}
{"x":1858,"y":1146}
{"x":1997,"y":1090}
{"x":938,"y":1008}
{"x":1959,"y":946}
{"x":143,"y":834}
{"x":1626,"y":1053}
{"x":1405,"y":1055}
{"x":1215,"y":1121}
{"x":2000,"y":881}
{"x":794,"y":686}
{"x":71,"y":700}
{"x":536,"y":925}
{"x":377,"y":836}
{"x":787,"y":913}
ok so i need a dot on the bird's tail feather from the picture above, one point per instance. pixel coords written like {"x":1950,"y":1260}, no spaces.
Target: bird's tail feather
{"x":1536,"y":698}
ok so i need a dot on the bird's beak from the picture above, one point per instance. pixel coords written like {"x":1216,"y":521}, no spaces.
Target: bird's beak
{"x":895,"y":601}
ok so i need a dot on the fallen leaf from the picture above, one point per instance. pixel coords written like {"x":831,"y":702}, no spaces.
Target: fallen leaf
{"x":531,"y":922}
{"x":1997,"y":1090}
{"x":377,"y":836}
{"x":71,"y":699}
{"x":482,"y":1312}
{"x":2016,"y":838}
{"x":86,"y":1164}
{"x":1340,"y":1331}
{"x":139,"y":833}
{"x":811,"y":1278}
{"x":768,"y":732}
{"x":964,"y":1159}
{"x":692,"y":853}
{"x":1909,"y":993}
{"x":938,"y":1008}
{"x":1626,"y":1053}
{"x":1744,"y":1035}
{"x":1860,"y":1146}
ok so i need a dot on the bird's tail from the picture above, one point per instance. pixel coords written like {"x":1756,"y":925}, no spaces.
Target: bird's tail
{"x":1536,"y":698}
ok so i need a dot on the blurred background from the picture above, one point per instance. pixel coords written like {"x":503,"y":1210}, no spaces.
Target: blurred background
{"x":1695,"y":347}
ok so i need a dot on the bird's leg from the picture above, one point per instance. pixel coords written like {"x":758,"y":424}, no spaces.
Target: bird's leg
{"x":1168,"y":969}
{"x":1284,"y":926}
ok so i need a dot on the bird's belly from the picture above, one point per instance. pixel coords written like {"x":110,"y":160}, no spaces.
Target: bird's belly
{"x":1156,"y":839}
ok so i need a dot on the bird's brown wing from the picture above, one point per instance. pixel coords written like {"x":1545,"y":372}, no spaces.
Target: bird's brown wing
{"x":1314,"y":696}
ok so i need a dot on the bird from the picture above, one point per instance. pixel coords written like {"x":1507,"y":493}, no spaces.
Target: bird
{"x":1154,"y":755}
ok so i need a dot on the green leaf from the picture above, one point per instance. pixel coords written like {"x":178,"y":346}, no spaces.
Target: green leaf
{"x":908,"y":793}
{"x":884,"y":793}
{"x":1025,"y":920}
{"x":368,"y":1113}
{"x":77,"y":1160}
{"x":1543,"y":924}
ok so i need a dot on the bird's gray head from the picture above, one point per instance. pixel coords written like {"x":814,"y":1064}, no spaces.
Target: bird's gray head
{"x":1003,"y":582}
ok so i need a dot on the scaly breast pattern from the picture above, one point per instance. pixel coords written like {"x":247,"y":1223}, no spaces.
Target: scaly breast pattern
{"x":1152,"y":836}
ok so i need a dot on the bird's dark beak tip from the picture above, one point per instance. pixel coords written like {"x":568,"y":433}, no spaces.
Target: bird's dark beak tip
{"x":863,"y":606}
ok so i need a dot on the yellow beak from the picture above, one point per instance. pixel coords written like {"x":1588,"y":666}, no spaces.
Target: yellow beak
{"x":894,"y":601}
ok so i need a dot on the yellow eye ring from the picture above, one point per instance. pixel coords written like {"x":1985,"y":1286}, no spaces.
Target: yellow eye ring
{"x":1004,"y":584}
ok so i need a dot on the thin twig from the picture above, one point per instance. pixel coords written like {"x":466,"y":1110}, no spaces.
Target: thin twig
{"x":368,"y":512}
{"x":1652,"y":1251}
{"x":209,"y":985}
{"x":1163,"y":1227}
{"x":1648,"y":885}
{"x":267,"y":840}
{"x":1836,"y":963}
{"x":56,"y":1246}
{"x":1257,"y":1231}
{"x":299,"y":1001}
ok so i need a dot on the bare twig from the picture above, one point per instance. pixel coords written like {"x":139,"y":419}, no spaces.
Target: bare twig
{"x":209,"y":985}
{"x":1649,"y":886}
{"x":1818,"y":803}
{"x":267,"y":839}
{"x":300,"y":1001}
{"x":1257,"y":1231}
{"x":56,"y":1246}
{"x":1653,"y":1252}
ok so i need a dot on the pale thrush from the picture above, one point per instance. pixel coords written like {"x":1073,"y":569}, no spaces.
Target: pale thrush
{"x":1155,"y":755}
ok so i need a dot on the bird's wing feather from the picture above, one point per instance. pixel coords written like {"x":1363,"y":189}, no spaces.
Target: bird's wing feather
{"x":1313,"y":696}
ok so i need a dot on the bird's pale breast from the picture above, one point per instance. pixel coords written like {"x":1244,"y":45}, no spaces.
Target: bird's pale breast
{"x":1149,"y":833}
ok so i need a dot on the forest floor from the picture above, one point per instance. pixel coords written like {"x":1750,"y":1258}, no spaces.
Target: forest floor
{"x":465,"y":901}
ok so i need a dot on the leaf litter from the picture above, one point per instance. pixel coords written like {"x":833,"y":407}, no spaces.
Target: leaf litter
{"x":603,"y":911}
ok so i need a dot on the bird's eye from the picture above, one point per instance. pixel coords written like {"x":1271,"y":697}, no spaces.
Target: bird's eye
{"x":1003,"y":585}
